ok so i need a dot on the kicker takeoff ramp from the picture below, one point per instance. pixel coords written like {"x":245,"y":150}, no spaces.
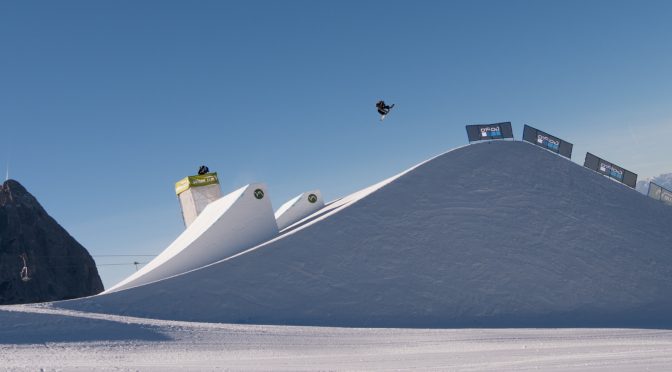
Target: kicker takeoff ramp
{"x":496,"y":234}
{"x":299,"y":208}
{"x":229,"y":225}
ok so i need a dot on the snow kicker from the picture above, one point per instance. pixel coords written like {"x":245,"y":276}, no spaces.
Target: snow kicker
{"x":494,"y":234}
{"x":226,"y":226}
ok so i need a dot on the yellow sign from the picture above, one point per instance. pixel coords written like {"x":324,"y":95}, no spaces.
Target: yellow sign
{"x":196,"y":181}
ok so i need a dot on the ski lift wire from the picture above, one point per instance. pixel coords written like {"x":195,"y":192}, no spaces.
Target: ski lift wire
{"x":124,"y":255}
{"x":122,"y":264}
{"x":102,"y":255}
{"x":98,"y":265}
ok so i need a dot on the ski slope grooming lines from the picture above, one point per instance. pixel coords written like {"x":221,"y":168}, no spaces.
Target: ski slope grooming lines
{"x":494,"y":234}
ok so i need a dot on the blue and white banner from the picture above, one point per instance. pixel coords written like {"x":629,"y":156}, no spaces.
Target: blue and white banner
{"x":480,"y":132}
{"x":660,"y":193}
{"x":547,"y":141}
{"x":610,"y":170}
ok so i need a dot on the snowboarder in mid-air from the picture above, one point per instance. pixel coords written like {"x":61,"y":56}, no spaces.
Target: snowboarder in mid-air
{"x":383,"y":109}
{"x":203,"y":170}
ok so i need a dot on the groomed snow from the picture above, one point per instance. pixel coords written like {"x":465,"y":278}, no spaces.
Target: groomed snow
{"x":34,"y":338}
{"x":298,"y":208}
{"x":498,"y":234}
{"x":225,"y":227}
{"x":491,"y":235}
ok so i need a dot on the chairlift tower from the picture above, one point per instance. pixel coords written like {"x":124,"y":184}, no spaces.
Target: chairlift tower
{"x":195,"y":193}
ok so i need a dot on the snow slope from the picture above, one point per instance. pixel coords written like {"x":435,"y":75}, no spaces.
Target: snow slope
{"x":35,"y":338}
{"x":225,"y":227}
{"x":496,"y":234}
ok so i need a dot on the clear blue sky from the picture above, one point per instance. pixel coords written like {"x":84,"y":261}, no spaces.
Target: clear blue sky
{"x":105,"y":104}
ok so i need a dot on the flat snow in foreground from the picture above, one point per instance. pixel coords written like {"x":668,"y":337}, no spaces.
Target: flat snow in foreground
{"x":33,"y":337}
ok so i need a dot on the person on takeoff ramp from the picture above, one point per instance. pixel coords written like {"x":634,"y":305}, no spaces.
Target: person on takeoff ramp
{"x":383,"y":109}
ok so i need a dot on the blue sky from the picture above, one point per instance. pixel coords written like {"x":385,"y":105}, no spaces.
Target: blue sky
{"x":105,"y":104}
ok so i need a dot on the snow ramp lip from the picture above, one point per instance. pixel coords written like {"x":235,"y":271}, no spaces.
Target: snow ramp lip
{"x":500,"y":234}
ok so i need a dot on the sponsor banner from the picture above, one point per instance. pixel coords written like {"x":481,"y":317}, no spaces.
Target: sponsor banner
{"x":660,"y":193}
{"x":547,"y":141}
{"x":654,"y":191}
{"x":666,"y":197}
{"x":196,"y":181}
{"x":182,"y":185}
{"x":259,"y":194}
{"x":480,"y":132}
{"x":610,"y":170}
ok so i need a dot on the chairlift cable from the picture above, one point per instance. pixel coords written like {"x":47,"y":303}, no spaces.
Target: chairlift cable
{"x":102,"y":255}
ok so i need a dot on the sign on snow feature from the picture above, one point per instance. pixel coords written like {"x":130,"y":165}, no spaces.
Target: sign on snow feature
{"x":259,"y":194}
{"x":491,"y":132}
{"x":547,"y":141}
{"x":196,"y":181}
{"x":610,"y":170}
{"x":299,"y":208}
{"x":660,"y":193}
{"x":195,"y":193}
{"x":480,"y":132}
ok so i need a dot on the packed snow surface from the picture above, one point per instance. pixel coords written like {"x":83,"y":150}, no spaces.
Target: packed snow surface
{"x":225,"y":227}
{"x":42,"y":338}
{"x":497,"y":234}
{"x":299,"y":208}
{"x":494,"y":235}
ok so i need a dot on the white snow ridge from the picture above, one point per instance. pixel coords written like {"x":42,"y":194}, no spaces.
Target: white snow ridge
{"x":299,"y":208}
{"x":497,"y":234}
{"x":225,"y":227}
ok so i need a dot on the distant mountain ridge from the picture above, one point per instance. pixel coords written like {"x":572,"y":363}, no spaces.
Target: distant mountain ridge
{"x":58,"y":267}
{"x":664,"y":180}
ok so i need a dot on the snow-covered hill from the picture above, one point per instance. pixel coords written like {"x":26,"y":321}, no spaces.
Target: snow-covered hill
{"x":497,"y":234}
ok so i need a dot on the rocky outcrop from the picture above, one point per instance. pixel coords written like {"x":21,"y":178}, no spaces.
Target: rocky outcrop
{"x":58,"y":267}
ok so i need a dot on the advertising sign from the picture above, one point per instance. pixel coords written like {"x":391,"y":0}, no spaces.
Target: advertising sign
{"x":547,"y":141}
{"x":660,"y":193}
{"x":610,"y":170}
{"x":195,"y":181}
{"x":666,"y":197}
{"x":480,"y":132}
